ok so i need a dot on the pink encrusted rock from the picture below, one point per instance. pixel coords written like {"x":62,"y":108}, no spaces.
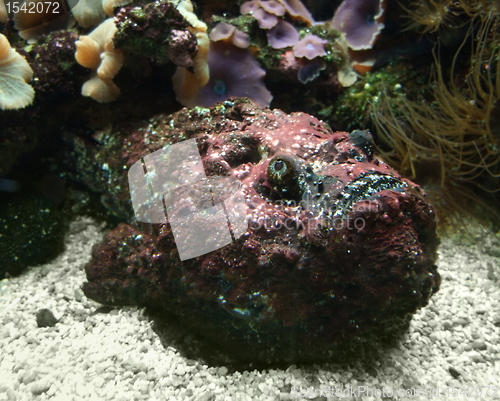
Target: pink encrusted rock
{"x":339,"y":250}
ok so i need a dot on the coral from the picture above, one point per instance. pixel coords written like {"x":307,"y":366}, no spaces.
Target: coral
{"x":222,"y":31}
{"x":310,"y":71}
{"x":297,"y":10}
{"x":250,"y":7}
{"x":240,"y":39}
{"x":227,"y":32}
{"x":360,"y":21}
{"x":273,"y":7}
{"x":310,"y":47}
{"x":303,"y":283}
{"x":189,"y":83}
{"x":90,"y":13}
{"x":3,"y":12}
{"x":96,"y":52}
{"x":31,"y":23}
{"x":264,"y":19}
{"x":282,"y":35}
{"x":15,"y":72}
{"x":199,"y":29}
{"x":233,"y":72}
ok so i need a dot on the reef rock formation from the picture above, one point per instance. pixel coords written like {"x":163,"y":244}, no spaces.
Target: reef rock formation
{"x":339,"y":247}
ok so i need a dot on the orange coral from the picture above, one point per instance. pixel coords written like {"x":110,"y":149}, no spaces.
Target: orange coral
{"x":96,"y":52}
{"x":15,"y":72}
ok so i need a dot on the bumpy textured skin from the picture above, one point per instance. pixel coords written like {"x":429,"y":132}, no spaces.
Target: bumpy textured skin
{"x":290,"y":290}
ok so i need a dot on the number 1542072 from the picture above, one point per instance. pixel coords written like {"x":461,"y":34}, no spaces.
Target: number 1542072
{"x":39,"y":7}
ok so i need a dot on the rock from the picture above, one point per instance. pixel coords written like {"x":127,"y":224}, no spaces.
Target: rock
{"x":40,"y":386}
{"x":31,"y":231}
{"x":455,"y":373}
{"x":45,"y":318}
{"x":479,"y":345}
{"x":337,"y":248}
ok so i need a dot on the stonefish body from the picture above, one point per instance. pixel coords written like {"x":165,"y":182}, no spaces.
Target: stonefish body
{"x":339,"y":247}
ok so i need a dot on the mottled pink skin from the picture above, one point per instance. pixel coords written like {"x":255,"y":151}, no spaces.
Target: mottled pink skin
{"x":299,"y":292}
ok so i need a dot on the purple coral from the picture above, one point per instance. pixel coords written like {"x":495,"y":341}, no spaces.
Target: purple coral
{"x":361,"y":21}
{"x":282,"y":35}
{"x":222,"y":31}
{"x":264,"y":19}
{"x":250,"y":7}
{"x":273,"y":7}
{"x":233,"y":72}
{"x":240,"y":39}
{"x":310,"y":47}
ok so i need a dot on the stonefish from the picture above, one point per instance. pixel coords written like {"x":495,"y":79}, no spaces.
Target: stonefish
{"x":337,"y":247}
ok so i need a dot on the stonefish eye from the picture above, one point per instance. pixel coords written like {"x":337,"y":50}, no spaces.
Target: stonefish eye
{"x":281,"y":170}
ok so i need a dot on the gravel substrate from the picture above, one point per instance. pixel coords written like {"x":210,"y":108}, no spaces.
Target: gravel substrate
{"x":116,"y":355}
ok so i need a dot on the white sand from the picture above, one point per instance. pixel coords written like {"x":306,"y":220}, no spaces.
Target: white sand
{"x":117,"y":356}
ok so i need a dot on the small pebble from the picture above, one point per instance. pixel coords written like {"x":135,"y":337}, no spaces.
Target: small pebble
{"x":479,"y":345}
{"x":45,"y":318}
{"x":455,"y":373}
{"x":40,"y":387}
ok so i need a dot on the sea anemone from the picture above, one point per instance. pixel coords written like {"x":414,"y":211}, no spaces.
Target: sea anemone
{"x":96,"y":52}
{"x":361,"y":21}
{"x":233,"y":72}
{"x":429,"y":15}
{"x":310,"y":47}
{"x":282,"y":35}
{"x":15,"y":72}
{"x":456,"y":129}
